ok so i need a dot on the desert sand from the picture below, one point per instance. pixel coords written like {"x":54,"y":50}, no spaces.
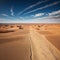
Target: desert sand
{"x":30,"y":42}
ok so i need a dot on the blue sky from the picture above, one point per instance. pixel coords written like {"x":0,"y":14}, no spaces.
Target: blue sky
{"x":29,"y":11}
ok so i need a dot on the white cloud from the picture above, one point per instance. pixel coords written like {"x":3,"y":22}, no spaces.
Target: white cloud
{"x":46,"y":6}
{"x":54,"y":12}
{"x":31,"y":6}
{"x":39,"y":14}
{"x":4,"y":15}
{"x":47,"y":19}
{"x":12,"y":12}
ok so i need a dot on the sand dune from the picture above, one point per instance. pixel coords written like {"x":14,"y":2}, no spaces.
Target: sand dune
{"x":30,"y":42}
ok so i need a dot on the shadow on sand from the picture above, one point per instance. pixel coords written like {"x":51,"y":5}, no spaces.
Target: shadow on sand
{"x":6,"y":40}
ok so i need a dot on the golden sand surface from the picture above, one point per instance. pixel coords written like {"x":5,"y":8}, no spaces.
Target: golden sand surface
{"x":14,"y":45}
{"x":51,"y":32}
{"x":42,"y":49}
{"x":30,"y":42}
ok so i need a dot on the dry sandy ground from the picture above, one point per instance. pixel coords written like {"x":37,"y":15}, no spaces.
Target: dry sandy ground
{"x":30,"y":42}
{"x":42,"y":49}
{"x":15,"y":45}
{"x":52,"y":33}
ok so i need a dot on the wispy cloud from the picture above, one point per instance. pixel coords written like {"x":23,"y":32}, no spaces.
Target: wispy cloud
{"x":54,"y":12}
{"x":38,"y":15}
{"x":31,"y":6}
{"x":46,"y":6}
{"x":5,"y":15}
{"x":52,"y":15}
{"x":48,"y":19}
{"x":12,"y":12}
{"x":21,"y":18}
